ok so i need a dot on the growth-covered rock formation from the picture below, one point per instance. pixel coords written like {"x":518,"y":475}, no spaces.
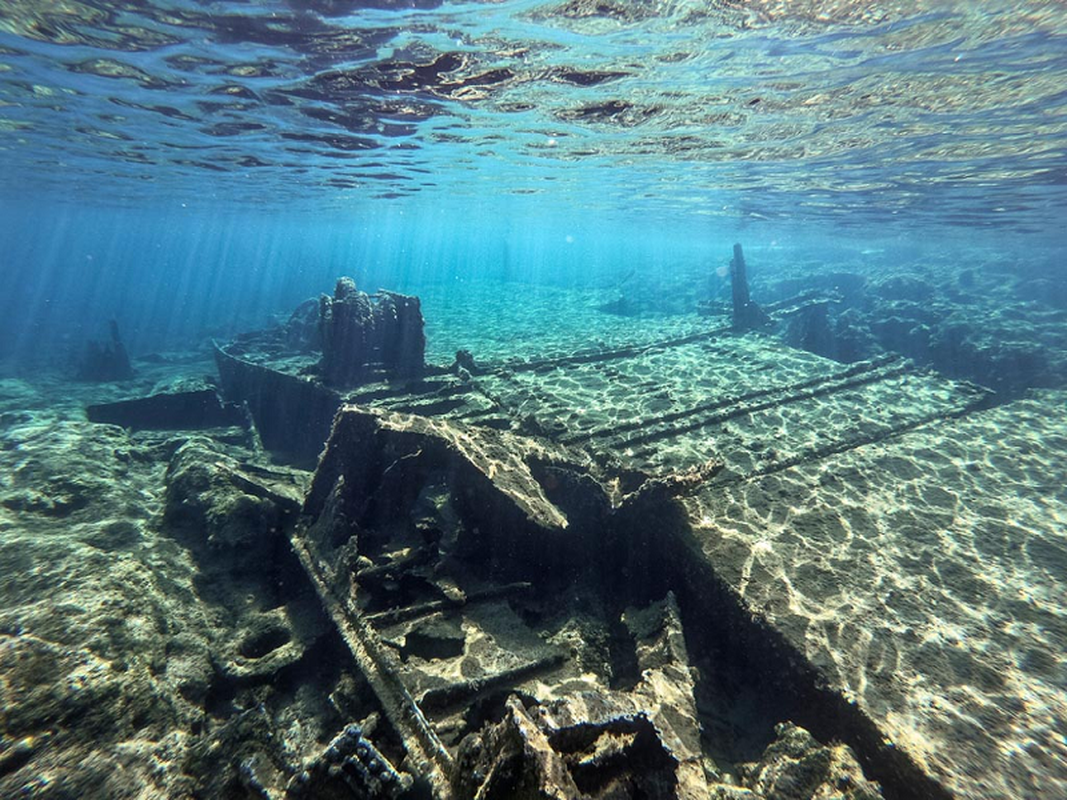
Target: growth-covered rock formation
{"x":362,"y":334}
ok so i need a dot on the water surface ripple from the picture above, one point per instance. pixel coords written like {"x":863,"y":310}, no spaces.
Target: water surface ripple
{"x":855,"y":111}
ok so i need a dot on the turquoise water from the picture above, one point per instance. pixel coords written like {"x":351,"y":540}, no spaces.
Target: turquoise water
{"x":191,"y":168}
{"x":855,"y":514}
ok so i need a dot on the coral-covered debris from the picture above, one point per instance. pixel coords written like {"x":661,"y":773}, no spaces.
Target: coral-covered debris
{"x":362,"y":334}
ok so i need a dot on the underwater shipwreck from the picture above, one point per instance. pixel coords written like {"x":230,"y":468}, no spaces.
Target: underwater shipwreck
{"x":708,"y":565}
{"x":533,"y":400}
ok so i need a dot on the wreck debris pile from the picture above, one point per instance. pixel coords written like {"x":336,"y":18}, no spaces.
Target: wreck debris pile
{"x":363,"y":333}
{"x":644,"y":743}
{"x":352,"y":760}
{"x":405,"y":509}
{"x":464,"y":501}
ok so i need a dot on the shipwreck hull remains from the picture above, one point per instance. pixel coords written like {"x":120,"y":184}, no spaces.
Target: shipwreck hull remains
{"x":292,"y":413}
{"x":806,"y":515}
{"x":435,"y":547}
